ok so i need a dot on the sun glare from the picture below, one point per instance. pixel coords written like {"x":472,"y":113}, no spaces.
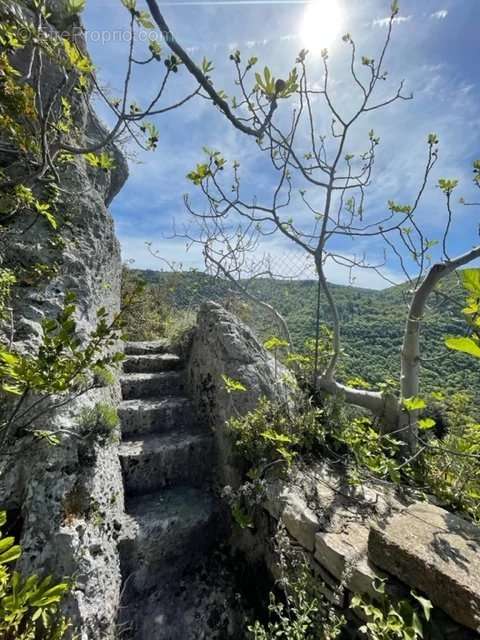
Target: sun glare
{"x":320,"y":25}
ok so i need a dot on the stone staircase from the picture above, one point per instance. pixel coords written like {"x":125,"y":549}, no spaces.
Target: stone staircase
{"x":175,"y":581}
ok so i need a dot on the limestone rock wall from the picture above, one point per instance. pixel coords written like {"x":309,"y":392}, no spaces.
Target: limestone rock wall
{"x":223,"y":346}
{"x":67,"y":500}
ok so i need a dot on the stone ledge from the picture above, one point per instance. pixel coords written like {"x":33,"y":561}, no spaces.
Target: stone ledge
{"x":435,"y":552}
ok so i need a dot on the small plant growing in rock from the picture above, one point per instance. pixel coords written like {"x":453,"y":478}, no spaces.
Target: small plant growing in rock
{"x":232,"y":386}
{"x":275,"y":344}
{"x":389,"y":620}
{"x":300,"y":615}
{"x":99,"y":422}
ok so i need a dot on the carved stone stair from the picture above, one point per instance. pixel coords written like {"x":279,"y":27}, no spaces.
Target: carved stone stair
{"x":152,"y":385}
{"x":151,"y":363}
{"x":159,"y":461}
{"x":167,"y":529}
{"x":143,"y":416}
{"x":174,"y":582}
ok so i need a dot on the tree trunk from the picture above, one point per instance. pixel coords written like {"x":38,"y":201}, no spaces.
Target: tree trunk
{"x":396,"y":419}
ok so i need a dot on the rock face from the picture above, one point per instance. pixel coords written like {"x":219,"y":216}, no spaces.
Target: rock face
{"x":68,"y":500}
{"x":436,"y":552}
{"x":224,"y":346}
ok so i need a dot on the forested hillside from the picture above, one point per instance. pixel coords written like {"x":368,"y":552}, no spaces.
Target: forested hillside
{"x":372,"y":323}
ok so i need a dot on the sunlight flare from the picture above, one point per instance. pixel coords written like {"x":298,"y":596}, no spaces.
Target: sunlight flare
{"x":320,"y":24}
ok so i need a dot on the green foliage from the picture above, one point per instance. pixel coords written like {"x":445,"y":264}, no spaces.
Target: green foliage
{"x":447,"y":186}
{"x":465,"y":344}
{"x":75,"y":7}
{"x":76,"y":60}
{"x":449,"y":468}
{"x":29,"y":607}
{"x":155,"y":49}
{"x":271,"y":433}
{"x":216,"y":162}
{"x":274,"y":343}
{"x":232,"y":386}
{"x":388,"y":620}
{"x":263,"y":434}
{"x":63,"y":365}
{"x":150,"y":312}
{"x":99,"y":422}
{"x":300,"y":615}
{"x":62,"y":360}
{"x":277,"y":88}
{"x":7,"y":280}
{"x":470,"y":345}
{"x":103,"y":160}
{"x":198,"y":175}
{"x":398,"y":208}
{"x":303,"y":363}
{"x":369,"y":449}
{"x":141,"y":17}
{"x":414,"y":403}
{"x":152,"y":135}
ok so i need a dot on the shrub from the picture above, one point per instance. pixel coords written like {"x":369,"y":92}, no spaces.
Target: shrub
{"x":29,"y":607}
{"x":450,"y":464}
{"x":148,"y":311}
{"x":404,"y":619}
{"x":272,"y":433}
{"x":301,"y":613}
{"x":99,"y":422}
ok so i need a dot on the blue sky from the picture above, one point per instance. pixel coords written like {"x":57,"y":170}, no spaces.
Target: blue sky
{"x":434,"y":48}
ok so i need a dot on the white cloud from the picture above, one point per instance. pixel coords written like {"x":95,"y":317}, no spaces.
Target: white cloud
{"x":439,"y":15}
{"x":383,"y":22}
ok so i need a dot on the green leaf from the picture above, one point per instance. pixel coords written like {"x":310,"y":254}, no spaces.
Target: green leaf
{"x":6,"y":543}
{"x":415,"y":403}
{"x":207,"y":65}
{"x":75,"y":7}
{"x":426,"y":423}
{"x":232,"y":385}
{"x":274,"y":436}
{"x":102,"y":160}
{"x":425,"y":604}
{"x":11,"y":555}
{"x":463,"y":344}
{"x":274,"y":343}
{"x":144,"y":20}
{"x":447,"y":186}
{"x":131,"y":5}
{"x":471,"y":280}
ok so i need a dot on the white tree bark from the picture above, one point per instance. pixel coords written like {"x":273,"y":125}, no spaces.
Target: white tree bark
{"x":410,"y":354}
{"x":390,"y":409}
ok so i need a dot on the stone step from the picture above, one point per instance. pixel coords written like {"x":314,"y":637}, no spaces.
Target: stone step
{"x":139,"y":417}
{"x":159,"y":461}
{"x":164,"y":530}
{"x":152,"y":385}
{"x":202,"y":602}
{"x":147,"y":348}
{"x":151,"y":363}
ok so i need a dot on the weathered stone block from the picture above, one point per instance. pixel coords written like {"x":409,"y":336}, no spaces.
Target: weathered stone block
{"x":344,"y":555}
{"x":300,"y":522}
{"x":435,"y":552}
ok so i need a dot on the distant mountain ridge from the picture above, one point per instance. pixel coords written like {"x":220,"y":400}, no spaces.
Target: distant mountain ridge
{"x":372,"y":323}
